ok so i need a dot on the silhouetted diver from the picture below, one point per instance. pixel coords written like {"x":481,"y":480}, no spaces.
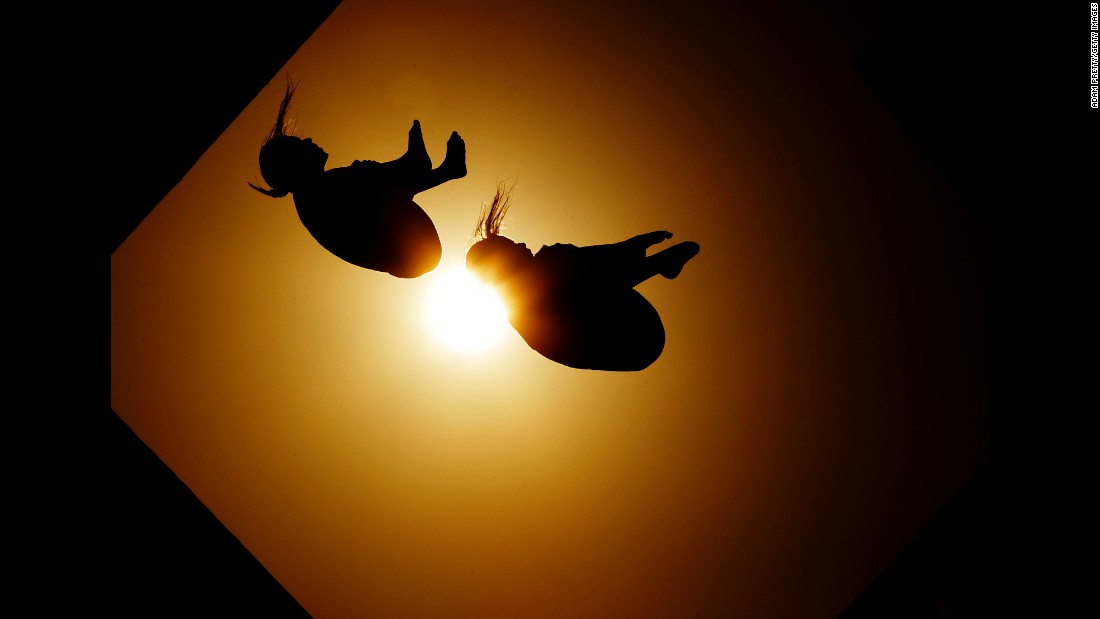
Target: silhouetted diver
{"x":577,"y":305}
{"x":362,"y":213}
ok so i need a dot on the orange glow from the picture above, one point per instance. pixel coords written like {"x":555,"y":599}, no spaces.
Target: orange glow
{"x":814,"y":405}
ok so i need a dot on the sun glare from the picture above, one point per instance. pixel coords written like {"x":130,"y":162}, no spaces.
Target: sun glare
{"x":464,"y":315}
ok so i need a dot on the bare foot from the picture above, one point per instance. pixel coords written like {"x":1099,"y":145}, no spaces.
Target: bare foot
{"x":645,"y":241}
{"x":676,"y":257}
{"x":417,"y":152}
{"x":454,"y":163}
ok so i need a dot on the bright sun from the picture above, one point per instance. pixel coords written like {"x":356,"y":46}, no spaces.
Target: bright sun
{"x":464,"y":315}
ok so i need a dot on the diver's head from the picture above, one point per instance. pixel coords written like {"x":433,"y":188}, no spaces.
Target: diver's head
{"x":287,"y":162}
{"x":495,"y":258}
{"x":492,"y":257}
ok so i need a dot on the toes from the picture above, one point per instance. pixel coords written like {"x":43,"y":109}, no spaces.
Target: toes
{"x":455,"y":159}
{"x":456,"y":144}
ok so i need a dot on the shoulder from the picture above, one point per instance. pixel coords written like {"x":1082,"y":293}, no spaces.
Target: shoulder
{"x":353,"y":171}
{"x":355,"y":168}
{"x":559,"y":258}
{"x":557,"y":249}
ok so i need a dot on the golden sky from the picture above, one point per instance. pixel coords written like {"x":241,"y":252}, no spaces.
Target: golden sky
{"x":817,"y":401}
